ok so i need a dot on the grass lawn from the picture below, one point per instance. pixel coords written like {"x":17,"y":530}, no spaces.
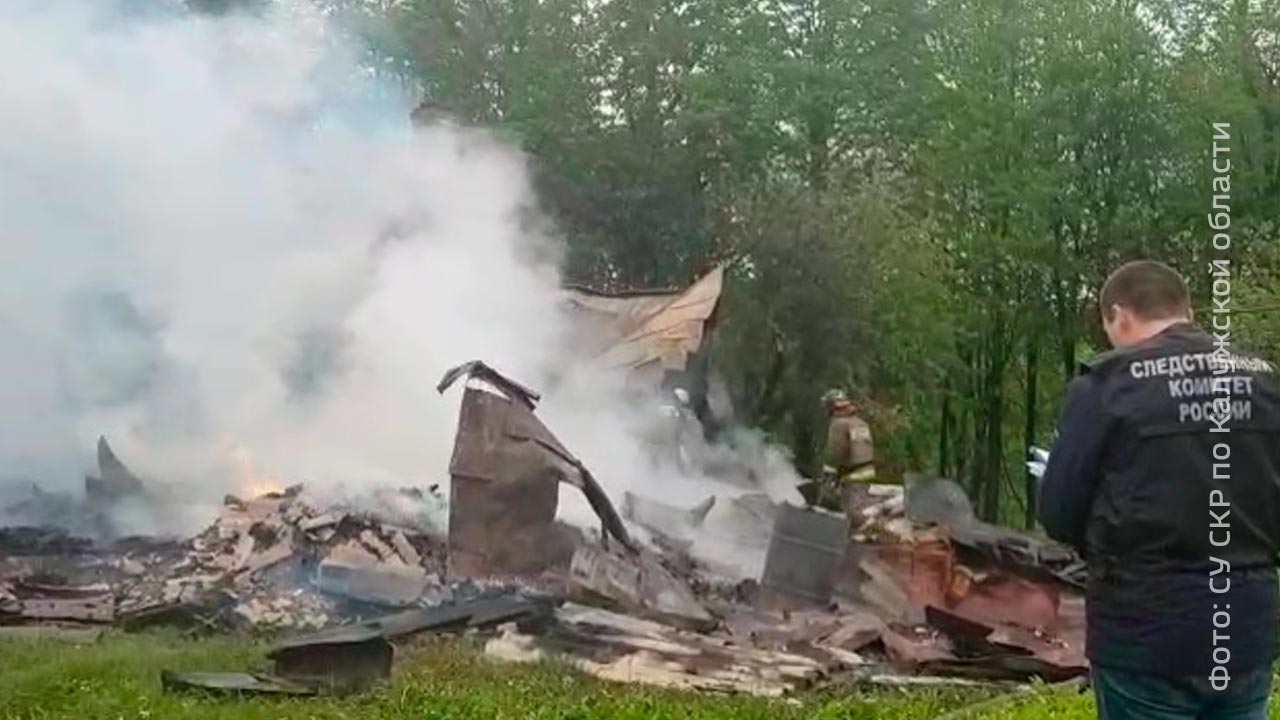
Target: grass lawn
{"x":117,"y":678}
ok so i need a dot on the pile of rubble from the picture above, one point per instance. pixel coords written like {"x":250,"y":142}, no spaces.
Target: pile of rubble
{"x":963,"y":597}
{"x":273,"y":561}
{"x":911,"y":588}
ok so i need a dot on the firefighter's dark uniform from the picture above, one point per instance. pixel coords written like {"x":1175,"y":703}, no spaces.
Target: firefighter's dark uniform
{"x":1130,"y":483}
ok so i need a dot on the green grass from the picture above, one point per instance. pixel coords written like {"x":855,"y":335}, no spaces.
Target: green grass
{"x":117,"y":678}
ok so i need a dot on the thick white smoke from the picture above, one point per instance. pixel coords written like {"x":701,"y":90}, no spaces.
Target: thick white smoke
{"x":213,"y":243}
{"x":224,"y":248}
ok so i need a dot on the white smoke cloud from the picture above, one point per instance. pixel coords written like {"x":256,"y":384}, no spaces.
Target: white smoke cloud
{"x":224,"y":248}
{"x":211,"y":241}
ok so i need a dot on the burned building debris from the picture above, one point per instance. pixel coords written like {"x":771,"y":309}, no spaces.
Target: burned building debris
{"x":256,"y":565}
{"x":912,"y":585}
{"x":506,"y":472}
{"x":638,"y":583}
{"x":344,"y":658}
{"x":115,"y":480}
{"x":658,"y":337}
{"x":803,"y":552}
{"x":232,"y":683}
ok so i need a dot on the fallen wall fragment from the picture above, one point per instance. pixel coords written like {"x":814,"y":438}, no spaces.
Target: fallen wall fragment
{"x":506,"y":470}
{"x":636,"y":583}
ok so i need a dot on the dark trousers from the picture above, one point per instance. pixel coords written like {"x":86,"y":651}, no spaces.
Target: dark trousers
{"x":1127,"y":695}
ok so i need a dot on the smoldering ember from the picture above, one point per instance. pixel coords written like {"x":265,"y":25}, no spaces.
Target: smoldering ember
{"x":740,"y":592}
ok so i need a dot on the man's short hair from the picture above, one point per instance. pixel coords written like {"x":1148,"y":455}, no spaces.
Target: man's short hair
{"x":1149,"y":289}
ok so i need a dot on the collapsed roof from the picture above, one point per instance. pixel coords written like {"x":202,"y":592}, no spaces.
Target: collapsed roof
{"x":650,"y":331}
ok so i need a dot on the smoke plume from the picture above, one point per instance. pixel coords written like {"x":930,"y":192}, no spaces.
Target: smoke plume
{"x":226,"y":250}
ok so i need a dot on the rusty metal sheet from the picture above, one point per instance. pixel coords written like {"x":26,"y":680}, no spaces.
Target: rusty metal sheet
{"x":928,"y":572}
{"x":943,"y":502}
{"x":1010,"y":646}
{"x":900,"y":579}
{"x":999,"y":597}
{"x":504,"y":492}
{"x":1000,"y":624}
{"x":956,"y":646}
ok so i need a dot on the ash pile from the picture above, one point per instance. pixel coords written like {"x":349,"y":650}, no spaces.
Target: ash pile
{"x":909,"y":589}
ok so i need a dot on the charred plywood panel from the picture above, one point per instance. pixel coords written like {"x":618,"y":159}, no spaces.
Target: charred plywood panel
{"x":500,"y":439}
{"x":505,"y":488}
{"x":506,"y":469}
{"x":500,"y":528}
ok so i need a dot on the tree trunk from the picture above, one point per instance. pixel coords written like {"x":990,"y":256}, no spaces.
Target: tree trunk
{"x":978,"y":466}
{"x":944,"y":435}
{"x":988,"y":467}
{"x":1029,"y":430}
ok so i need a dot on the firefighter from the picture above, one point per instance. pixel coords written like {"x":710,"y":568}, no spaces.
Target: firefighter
{"x":849,"y":461}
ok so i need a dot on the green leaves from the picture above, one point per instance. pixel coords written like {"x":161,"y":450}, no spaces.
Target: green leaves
{"x":913,"y":195}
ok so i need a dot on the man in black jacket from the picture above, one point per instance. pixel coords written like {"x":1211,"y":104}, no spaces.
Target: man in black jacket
{"x":1166,"y":477}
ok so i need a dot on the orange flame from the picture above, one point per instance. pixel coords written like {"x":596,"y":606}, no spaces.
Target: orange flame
{"x":250,"y":482}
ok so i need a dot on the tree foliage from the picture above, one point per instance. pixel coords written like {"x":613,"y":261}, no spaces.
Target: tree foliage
{"x":915,"y":198}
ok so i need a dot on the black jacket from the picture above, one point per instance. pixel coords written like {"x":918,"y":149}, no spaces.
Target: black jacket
{"x":1132,"y":483}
